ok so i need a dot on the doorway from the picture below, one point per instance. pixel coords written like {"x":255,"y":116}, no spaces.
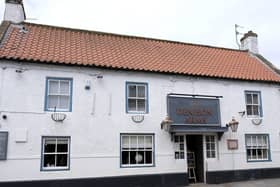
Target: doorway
{"x":195,"y":158}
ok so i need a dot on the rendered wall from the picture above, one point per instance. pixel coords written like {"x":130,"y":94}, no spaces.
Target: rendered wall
{"x":95,"y":124}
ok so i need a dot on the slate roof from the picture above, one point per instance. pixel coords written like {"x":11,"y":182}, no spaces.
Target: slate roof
{"x":51,"y":44}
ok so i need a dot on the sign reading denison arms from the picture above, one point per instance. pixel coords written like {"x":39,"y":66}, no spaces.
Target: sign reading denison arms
{"x":194,"y":111}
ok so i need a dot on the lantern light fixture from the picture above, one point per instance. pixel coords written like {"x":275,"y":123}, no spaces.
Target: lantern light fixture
{"x":233,"y":124}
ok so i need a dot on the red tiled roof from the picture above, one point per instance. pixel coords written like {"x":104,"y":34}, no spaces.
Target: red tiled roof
{"x":51,"y":44}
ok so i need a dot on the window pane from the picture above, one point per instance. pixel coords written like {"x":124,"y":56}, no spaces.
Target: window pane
{"x":148,"y":142}
{"x":212,"y":146}
{"x":63,"y":102}
{"x":265,"y":154}
{"x":249,"y":99}
{"x":176,"y":139}
{"x":131,"y":91}
{"x":64,"y":87}
{"x":249,"y":109}
{"x":141,"y":91}
{"x":132,"y":104}
{"x":141,"y":142}
{"x":255,"y":99}
{"x":53,"y":87}
{"x":139,"y":157}
{"x":53,"y":101}
{"x":248,"y":140}
{"x":141,"y":104}
{"x":256,"y":110}
{"x":133,"y":142}
{"x":125,"y":142}
{"x":62,"y":160}
{"x":62,"y":146}
{"x":125,"y":157}
{"x":49,"y":160}
{"x":49,"y":146}
{"x":181,"y":138}
{"x":132,"y":157}
{"x":149,"y":157}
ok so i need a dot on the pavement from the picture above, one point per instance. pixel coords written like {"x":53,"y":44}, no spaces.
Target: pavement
{"x":252,"y":183}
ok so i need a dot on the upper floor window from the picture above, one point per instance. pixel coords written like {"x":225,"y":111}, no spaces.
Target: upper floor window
{"x":136,"y":97}
{"x":257,"y":147}
{"x":253,"y":104}
{"x":55,"y":153}
{"x":58,"y":94}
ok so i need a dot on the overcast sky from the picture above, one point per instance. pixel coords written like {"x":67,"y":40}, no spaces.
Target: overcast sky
{"x":193,"y":21}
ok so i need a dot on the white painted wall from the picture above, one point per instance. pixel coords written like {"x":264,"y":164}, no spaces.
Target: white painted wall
{"x":95,"y":129}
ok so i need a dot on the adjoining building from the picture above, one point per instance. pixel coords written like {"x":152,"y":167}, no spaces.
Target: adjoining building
{"x":87,"y":108}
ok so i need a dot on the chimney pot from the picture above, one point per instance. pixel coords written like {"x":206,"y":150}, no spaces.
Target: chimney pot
{"x":250,"y":42}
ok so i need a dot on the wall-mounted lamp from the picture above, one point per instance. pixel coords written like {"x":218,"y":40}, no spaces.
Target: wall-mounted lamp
{"x":241,"y":113}
{"x":99,"y":76}
{"x":166,"y":123}
{"x":96,"y":75}
{"x":88,"y":85}
{"x":20,"y":70}
{"x":233,"y":124}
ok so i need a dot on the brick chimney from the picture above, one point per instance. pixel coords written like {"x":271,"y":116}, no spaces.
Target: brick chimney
{"x":14,"y":11}
{"x":250,"y":42}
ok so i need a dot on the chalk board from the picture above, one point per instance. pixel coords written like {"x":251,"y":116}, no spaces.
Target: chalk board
{"x":3,"y":145}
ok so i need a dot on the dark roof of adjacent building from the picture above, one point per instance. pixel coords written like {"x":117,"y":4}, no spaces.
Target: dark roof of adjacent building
{"x":50,"y":44}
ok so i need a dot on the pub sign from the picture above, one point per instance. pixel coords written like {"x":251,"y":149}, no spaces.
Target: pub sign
{"x":193,"y":111}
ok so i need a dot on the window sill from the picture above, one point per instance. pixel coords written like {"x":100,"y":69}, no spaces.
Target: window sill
{"x":51,"y":110}
{"x":137,"y":166}
{"x":254,"y":117}
{"x":252,"y":161}
{"x":55,"y":169}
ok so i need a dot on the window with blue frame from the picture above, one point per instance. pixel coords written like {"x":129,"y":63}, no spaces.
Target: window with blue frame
{"x":257,"y":147}
{"x":253,"y":104}
{"x":55,"y":153}
{"x":58,"y":94}
{"x":137,"y":150}
{"x":136,"y":97}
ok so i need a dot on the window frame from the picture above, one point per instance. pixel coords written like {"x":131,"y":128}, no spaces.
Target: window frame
{"x":260,"y":108}
{"x":42,"y":168}
{"x":6,"y":135}
{"x":138,"y":165}
{"x":215,"y":143}
{"x":146,"y":97}
{"x":179,"y":151}
{"x":46,"y":108}
{"x":268,"y":151}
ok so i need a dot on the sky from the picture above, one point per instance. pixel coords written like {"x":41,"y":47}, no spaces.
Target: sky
{"x":192,"y":21}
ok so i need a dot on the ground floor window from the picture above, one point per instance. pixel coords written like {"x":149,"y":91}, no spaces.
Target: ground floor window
{"x":179,"y":147}
{"x":3,"y":145}
{"x":210,"y":141}
{"x":55,"y":153}
{"x":137,"y":150}
{"x":257,"y":147}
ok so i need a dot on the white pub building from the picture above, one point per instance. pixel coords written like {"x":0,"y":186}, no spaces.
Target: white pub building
{"x":87,"y":108}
